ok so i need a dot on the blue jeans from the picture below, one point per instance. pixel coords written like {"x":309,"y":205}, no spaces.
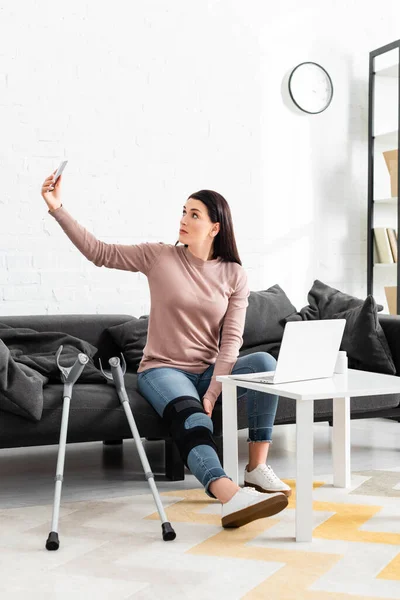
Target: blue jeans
{"x":161,"y":385}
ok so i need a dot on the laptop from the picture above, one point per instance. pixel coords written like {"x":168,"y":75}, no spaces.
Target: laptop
{"x":309,"y":350}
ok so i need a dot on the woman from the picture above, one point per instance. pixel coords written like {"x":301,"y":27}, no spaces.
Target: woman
{"x":196,"y":289}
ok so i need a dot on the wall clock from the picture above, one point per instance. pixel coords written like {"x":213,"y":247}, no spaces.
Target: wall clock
{"x":310,"y":87}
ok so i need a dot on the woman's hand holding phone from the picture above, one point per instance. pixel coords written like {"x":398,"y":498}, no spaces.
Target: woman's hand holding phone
{"x":51,"y":190}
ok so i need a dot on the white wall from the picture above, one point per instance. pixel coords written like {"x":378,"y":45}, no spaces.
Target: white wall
{"x":151,"y":101}
{"x":315,"y":178}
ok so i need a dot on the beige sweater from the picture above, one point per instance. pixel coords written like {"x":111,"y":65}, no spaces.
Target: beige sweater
{"x":191,"y":300}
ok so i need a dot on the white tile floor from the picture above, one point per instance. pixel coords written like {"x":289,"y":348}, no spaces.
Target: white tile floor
{"x":94,"y":471}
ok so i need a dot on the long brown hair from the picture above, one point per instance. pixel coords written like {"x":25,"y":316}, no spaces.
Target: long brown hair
{"x":224,"y":244}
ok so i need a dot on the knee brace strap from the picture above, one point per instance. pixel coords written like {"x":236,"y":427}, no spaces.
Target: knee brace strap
{"x":175,"y":415}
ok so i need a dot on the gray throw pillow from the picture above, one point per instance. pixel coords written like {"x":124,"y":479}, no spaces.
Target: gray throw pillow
{"x":266,"y":316}
{"x":326,"y":301}
{"x":131,"y":338}
{"x":364,"y":340}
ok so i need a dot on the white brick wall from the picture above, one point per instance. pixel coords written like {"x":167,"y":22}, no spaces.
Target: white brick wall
{"x":153,"y":100}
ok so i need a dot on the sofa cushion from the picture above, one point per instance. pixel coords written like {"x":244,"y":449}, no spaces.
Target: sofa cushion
{"x":265,"y":316}
{"x":364,"y":340}
{"x":95,"y":414}
{"x":131,"y":338}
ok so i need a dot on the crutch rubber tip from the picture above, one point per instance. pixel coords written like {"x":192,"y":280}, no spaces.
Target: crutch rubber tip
{"x":52,"y":542}
{"x":167,"y":532}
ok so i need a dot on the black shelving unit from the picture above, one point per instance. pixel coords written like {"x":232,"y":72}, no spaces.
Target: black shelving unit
{"x":394,"y":70}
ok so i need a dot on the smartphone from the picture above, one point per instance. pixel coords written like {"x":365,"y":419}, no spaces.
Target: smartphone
{"x":60,"y":169}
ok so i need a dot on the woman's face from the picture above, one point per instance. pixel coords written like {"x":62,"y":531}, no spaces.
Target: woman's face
{"x":195,"y":222}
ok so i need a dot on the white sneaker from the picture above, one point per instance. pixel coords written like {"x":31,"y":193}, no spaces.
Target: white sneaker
{"x":248,"y":505}
{"x":263,"y":479}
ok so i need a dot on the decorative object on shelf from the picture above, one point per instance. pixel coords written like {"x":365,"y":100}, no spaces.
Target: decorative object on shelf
{"x":391,"y":159}
{"x":310,"y":87}
{"x":391,"y":297}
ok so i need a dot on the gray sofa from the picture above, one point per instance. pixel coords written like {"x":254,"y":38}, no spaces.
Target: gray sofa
{"x":96,"y":414}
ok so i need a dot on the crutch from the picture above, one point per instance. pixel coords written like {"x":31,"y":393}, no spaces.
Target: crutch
{"x":117,"y":376}
{"x":69,"y":375}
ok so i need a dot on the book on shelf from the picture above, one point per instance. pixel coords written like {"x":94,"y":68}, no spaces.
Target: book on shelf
{"x":382,"y":244}
{"x":392,"y":235}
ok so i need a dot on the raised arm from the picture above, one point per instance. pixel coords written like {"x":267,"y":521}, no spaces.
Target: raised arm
{"x":127,"y":257}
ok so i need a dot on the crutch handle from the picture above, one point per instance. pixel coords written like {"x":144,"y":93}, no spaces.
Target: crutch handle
{"x":117,"y":373}
{"x":114,"y":363}
{"x":71,"y":374}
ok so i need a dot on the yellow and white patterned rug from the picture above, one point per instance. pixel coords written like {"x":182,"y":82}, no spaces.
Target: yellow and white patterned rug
{"x":113,"y":549}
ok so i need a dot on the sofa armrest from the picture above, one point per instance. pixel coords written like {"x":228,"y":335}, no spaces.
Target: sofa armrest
{"x":391,"y":328}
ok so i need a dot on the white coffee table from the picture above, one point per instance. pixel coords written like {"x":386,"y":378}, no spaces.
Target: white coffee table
{"x":341,"y":388}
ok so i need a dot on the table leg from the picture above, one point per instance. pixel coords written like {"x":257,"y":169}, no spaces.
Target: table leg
{"x":230,"y":431}
{"x":341,"y":442}
{"x":304,"y":478}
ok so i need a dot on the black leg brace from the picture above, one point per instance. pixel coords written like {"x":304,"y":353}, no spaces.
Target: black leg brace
{"x":175,"y":414}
